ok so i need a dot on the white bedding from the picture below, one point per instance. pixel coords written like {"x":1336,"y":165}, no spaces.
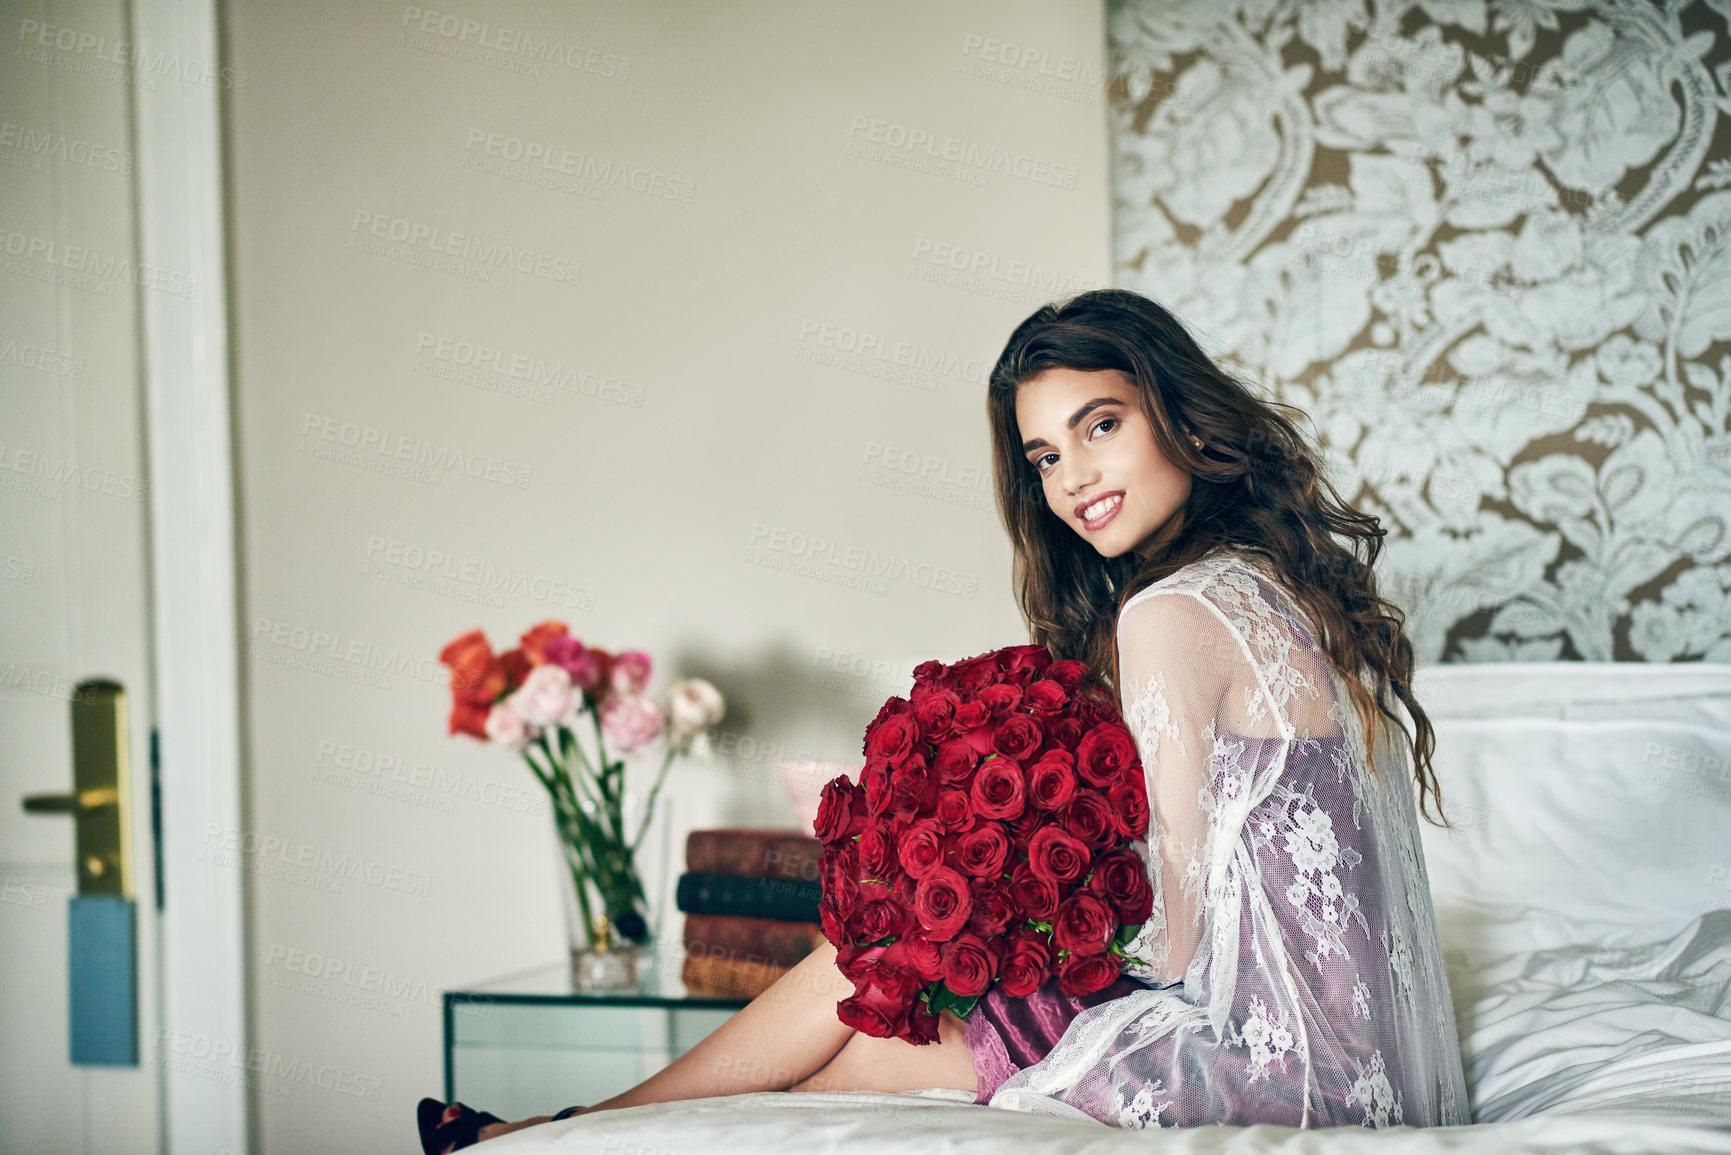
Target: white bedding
{"x":1585,"y":911}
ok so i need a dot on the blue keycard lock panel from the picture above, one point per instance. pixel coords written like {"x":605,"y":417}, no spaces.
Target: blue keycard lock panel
{"x":102,"y":949}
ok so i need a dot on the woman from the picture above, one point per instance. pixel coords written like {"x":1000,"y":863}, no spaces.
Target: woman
{"x":1173,"y":529}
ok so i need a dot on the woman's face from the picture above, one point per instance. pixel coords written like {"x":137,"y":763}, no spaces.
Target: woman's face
{"x":1103,"y":475}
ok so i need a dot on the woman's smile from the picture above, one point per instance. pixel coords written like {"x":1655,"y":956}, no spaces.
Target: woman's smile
{"x":1101,"y":510}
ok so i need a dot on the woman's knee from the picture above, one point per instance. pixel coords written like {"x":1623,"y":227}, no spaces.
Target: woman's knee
{"x":868,"y":1063}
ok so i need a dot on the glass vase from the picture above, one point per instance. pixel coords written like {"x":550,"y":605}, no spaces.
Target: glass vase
{"x":602,"y":959}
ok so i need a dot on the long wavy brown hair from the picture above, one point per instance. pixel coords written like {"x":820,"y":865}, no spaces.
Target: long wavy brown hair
{"x":1255,"y":485}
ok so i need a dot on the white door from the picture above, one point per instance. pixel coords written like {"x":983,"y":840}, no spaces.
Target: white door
{"x":74,"y":592}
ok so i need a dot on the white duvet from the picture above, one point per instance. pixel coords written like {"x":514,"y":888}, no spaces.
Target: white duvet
{"x":1584,"y":905}
{"x":1566,"y":1049}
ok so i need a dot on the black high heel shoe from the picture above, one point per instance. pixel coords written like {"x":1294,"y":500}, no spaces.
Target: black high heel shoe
{"x":439,"y":1136}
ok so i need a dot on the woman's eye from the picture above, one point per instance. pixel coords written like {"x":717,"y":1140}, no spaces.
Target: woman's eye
{"x":1105,"y":421}
{"x":1039,"y":462}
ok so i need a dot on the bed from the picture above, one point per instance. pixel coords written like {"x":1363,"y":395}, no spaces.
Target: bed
{"x":1584,"y":907}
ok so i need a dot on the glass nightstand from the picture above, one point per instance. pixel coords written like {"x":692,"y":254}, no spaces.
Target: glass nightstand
{"x":530,"y":1044}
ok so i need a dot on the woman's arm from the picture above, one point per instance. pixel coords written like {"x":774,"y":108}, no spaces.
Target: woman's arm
{"x":1175,"y":662}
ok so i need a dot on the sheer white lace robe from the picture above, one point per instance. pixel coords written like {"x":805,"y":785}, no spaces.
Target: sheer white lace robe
{"x":1293,"y":945}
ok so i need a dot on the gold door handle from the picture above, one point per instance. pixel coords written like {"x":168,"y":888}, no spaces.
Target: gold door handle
{"x":101,"y":803}
{"x":72,"y":803}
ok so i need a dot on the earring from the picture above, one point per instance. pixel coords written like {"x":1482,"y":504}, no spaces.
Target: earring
{"x":1196,"y":441}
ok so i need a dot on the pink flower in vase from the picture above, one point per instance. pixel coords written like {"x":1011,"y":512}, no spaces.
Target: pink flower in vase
{"x":586,"y":667}
{"x":629,"y":721}
{"x":506,"y":727}
{"x":630,"y":672}
{"x":544,"y":697}
{"x":693,"y":705}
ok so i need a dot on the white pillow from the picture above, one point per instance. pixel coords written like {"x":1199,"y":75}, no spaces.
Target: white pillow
{"x":1592,"y":802}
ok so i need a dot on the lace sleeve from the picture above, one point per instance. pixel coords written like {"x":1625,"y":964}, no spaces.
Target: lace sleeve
{"x":1176,"y":660}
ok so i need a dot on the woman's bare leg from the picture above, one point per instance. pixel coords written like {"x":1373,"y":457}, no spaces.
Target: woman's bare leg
{"x":777,"y":1039}
{"x":866,"y":1063}
{"x":788,"y":1038}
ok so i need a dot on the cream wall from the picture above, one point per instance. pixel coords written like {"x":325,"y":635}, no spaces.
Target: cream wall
{"x":705,"y":411}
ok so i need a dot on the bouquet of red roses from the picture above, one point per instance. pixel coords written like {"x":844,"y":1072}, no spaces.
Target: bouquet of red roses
{"x":991,"y":839}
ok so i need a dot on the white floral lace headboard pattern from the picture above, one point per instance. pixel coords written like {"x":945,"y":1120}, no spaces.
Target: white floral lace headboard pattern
{"x":1487,"y":247}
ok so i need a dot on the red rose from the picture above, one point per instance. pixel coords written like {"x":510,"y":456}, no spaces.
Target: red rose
{"x":921,"y":847}
{"x":1068,"y":673}
{"x":1121,"y":880}
{"x":1089,"y":818}
{"x":1052,"y":780}
{"x":1045,"y":697}
{"x":935,"y":711}
{"x":878,"y":796}
{"x":840,"y":811}
{"x":890,"y":740}
{"x":837,"y":874}
{"x":1130,"y":806}
{"x":922,"y":1025}
{"x":834,"y":925}
{"x":857,"y":1013}
{"x":536,"y":639}
{"x":1036,"y":897}
{"x":994,"y":908}
{"x":473,"y":673}
{"x":894,"y":981}
{"x":892,"y":706}
{"x":1056,"y":855}
{"x":469,"y":716}
{"x":850,"y":958}
{"x":912,"y":786}
{"x":1083,"y":925}
{"x":881,"y":918}
{"x":968,"y":966}
{"x":973,"y":720}
{"x":877,"y":852}
{"x":1001,"y":698}
{"x":1024,"y":663}
{"x":975,"y":674}
{"x":981,"y":852}
{"x":1095,"y":709}
{"x":955,"y":813}
{"x":1103,"y":754}
{"x":1017,"y":737}
{"x":923,"y":955}
{"x":942,"y":902}
{"x":1083,"y":974}
{"x":1066,"y":731}
{"x":516,"y":666}
{"x":1027,"y":963}
{"x":1023,"y":826}
{"x":886,"y":991}
{"x":955,"y":762}
{"x":998,"y":789}
{"x":927,"y":672}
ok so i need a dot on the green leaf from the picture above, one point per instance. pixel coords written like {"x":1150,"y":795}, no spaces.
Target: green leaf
{"x":962,"y":1006}
{"x":1126,"y":933}
{"x":942,"y":999}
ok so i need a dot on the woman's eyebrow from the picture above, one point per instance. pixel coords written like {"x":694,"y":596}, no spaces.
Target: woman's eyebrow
{"x":1075,"y":418}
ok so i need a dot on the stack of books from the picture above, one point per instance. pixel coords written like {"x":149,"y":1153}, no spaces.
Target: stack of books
{"x":750,"y":901}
